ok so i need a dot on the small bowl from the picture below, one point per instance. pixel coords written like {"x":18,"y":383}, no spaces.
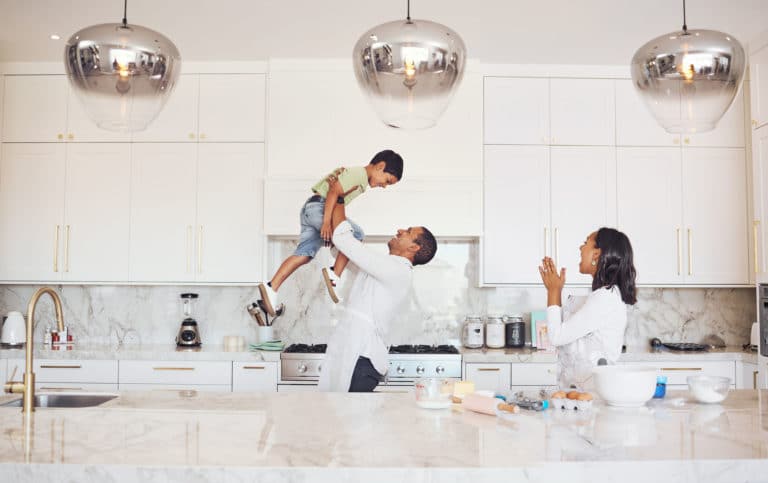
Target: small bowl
{"x":709,"y":389}
{"x":625,"y":386}
{"x":433,"y":393}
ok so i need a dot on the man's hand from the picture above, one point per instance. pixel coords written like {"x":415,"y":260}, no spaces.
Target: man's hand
{"x":334,"y":177}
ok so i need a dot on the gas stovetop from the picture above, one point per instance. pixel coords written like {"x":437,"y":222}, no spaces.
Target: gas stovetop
{"x":306,"y":348}
{"x":423,"y":349}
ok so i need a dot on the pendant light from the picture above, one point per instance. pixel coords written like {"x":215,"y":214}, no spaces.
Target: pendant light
{"x":123,"y":74}
{"x":409,"y":70}
{"x":689,"y":79}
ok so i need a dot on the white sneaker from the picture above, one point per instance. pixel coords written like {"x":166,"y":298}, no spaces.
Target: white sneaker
{"x":269,"y":297}
{"x":331,"y":283}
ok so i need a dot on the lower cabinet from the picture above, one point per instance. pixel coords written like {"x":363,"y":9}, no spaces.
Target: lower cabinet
{"x":747,"y":375}
{"x":489,"y":377}
{"x":198,"y":375}
{"x":70,"y":374}
{"x":254,"y":377}
{"x":533,"y":375}
{"x":177,"y":387}
{"x":677,"y":372}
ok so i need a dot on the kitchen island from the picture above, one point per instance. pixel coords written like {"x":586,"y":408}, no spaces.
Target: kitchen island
{"x":196,"y":436}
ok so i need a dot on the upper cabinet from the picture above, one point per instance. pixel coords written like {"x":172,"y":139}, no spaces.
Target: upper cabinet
{"x":578,"y":112}
{"x":202,"y":108}
{"x":758,"y":75}
{"x":635,"y":126}
{"x":35,"y":108}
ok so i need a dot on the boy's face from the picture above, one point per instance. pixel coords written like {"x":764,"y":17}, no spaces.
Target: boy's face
{"x":379,"y":178}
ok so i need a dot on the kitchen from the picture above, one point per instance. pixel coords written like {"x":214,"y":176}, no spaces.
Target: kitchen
{"x":128,"y":224}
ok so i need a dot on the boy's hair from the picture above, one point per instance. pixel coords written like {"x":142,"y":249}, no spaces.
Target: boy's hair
{"x":427,"y":247}
{"x":393,"y":163}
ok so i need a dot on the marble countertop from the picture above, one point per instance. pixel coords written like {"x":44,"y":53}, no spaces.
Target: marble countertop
{"x":159,"y":352}
{"x":528,"y":355}
{"x":380,"y":437}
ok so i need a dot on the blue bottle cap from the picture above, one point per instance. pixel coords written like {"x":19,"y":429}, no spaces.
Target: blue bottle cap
{"x":544,"y":404}
{"x":661,"y":379}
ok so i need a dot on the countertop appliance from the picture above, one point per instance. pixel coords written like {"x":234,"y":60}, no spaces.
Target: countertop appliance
{"x":14,"y":331}
{"x":189,"y":333}
{"x":301,"y":364}
{"x":754,"y":336}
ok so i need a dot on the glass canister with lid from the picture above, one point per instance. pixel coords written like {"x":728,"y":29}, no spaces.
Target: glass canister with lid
{"x":494,"y":332}
{"x":514,"y":331}
{"x":473,"y":332}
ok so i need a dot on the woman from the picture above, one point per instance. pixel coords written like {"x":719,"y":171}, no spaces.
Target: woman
{"x":591,"y":328}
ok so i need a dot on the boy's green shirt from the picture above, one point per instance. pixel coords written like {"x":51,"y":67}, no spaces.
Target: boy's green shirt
{"x":353,"y":181}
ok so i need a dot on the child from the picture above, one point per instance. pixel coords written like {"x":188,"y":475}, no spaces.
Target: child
{"x":341,"y":186}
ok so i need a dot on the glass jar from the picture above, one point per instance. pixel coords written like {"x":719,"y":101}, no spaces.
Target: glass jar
{"x":494,"y":332}
{"x":473,"y":332}
{"x":514,"y":331}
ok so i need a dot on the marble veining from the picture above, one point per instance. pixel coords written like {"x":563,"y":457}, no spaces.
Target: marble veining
{"x":444,"y":292}
{"x":169,"y":436}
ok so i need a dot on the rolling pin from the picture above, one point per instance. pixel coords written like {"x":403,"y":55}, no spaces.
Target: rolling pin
{"x":487,"y":405}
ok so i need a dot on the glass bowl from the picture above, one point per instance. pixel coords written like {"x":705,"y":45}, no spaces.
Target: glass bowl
{"x":709,"y":389}
{"x":433,"y":393}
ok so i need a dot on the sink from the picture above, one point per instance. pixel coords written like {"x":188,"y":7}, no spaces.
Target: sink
{"x":65,"y":400}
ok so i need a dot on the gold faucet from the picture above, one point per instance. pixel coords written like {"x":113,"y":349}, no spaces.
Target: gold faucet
{"x":28,"y":386}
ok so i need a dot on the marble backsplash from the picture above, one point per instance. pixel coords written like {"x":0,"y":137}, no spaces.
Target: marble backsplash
{"x":444,"y":292}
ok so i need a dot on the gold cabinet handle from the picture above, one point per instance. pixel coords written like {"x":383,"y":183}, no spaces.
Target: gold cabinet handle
{"x":70,"y":136}
{"x":557,"y":246}
{"x":254,"y":367}
{"x":189,"y":248}
{"x":690,"y":251}
{"x":203,"y":136}
{"x":200,"y":250}
{"x":191,"y":136}
{"x":754,"y":379}
{"x":687,"y":140}
{"x":59,"y":136}
{"x":681,"y":369}
{"x":66,"y":248}
{"x":61,"y":388}
{"x":546,"y":240}
{"x":71,"y":366}
{"x":755,"y":225}
{"x":56,"y":249}
{"x":173,"y":368}
{"x":679,"y":254}
{"x":488,"y":369}
{"x":754,"y":122}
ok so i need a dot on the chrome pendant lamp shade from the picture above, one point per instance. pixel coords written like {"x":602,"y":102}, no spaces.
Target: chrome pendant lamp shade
{"x":123,"y":74}
{"x":688,"y":79}
{"x":409,"y":70}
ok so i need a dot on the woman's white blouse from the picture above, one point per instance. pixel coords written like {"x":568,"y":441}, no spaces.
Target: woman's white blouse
{"x":585,"y":330}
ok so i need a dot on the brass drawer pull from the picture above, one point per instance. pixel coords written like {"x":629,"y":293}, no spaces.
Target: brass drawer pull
{"x":254,"y":367}
{"x":46,"y":366}
{"x":61,"y":388}
{"x":173,"y":368}
{"x":681,"y":369}
{"x":488,"y":369}
{"x":754,"y":379}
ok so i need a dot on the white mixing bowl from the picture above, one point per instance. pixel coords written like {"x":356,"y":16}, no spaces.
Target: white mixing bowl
{"x":625,"y":386}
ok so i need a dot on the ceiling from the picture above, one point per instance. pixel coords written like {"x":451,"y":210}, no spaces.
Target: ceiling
{"x":496,"y":31}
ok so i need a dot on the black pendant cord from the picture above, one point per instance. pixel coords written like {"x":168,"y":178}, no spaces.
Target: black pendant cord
{"x":125,"y":13}
{"x":408,"y":12}
{"x":685,"y":22}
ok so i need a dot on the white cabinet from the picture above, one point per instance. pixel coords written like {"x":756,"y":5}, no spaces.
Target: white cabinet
{"x":581,"y":198}
{"x":68,"y":375}
{"x":35,"y":108}
{"x":534,"y":374}
{"x":489,"y":377}
{"x":177,"y":122}
{"x":175,"y":374}
{"x":96,"y":217}
{"x":554,"y":223}
{"x":164,"y":186}
{"x":758,"y":76}
{"x":514,"y":239}
{"x":232,"y":107}
{"x":187,"y":221}
{"x":516,"y":110}
{"x":229,"y":212}
{"x":678,"y":207}
{"x":677,"y":372}
{"x":635,"y":126}
{"x":715,"y":215}
{"x":582,"y":112}
{"x":760,"y":199}
{"x":254,"y":377}
{"x":649,"y":206}
{"x":31,"y":211}
{"x":747,"y":375}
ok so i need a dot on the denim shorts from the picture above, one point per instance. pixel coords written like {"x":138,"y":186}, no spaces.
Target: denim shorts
{"x":311,"y":219}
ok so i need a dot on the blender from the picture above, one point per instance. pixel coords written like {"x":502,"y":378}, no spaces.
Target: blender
{"x":189,"y":334}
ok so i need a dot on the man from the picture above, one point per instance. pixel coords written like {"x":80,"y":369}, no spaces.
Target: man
{"x":357,"y":357}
